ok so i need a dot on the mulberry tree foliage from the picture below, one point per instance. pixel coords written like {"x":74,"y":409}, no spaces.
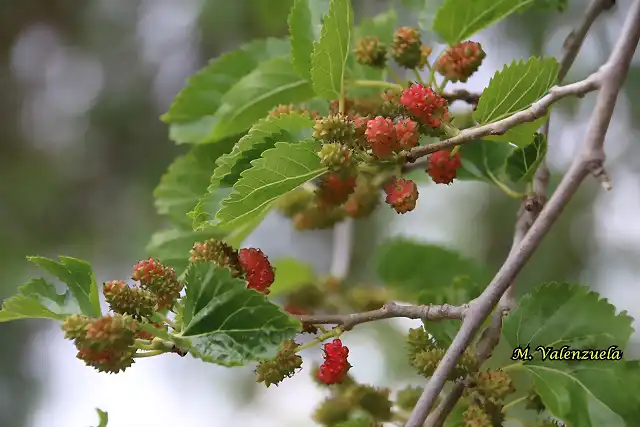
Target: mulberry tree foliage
{"x":319,"y":128}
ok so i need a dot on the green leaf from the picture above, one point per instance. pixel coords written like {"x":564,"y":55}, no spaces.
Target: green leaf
{"x":483,"y":159}
{"x":280,"y":169}
{"x":409,"y":267}
{"x":330,"y":54}
{"x":38,"y":299}
{"x":587,"y":393}
{"x":104,"y":417}
{"x":520,"y":135}
{"x":227,"y":323}
{"x":273,"y":82}
{"x":515,"y":88}
{"x":203,"y":214}
{"x":79,"y":278}
{"x":191,"y":114}
{"x":187,"y":179}
{"x":305,"y":21}
{"x":172,"y":246}
{"x":457,"y":20}
{"x":523,"y":162}
{"x":262,"y":136}
{"x":290,"y":275}
{"x":556,"y":314}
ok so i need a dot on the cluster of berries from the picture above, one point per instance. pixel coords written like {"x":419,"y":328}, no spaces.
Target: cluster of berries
{"x":456,"y":63}
{"x":406,"y":50}
{"x":108,"y":343}
{"x":378,"y":133}
{"x":248,"y":263}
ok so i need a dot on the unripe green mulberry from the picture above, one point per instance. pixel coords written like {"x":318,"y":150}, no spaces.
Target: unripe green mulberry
{"x":427,"y":361}
{"x":418,"y":340}
{"x":284,"y":109}
{"x":315,"y":217}
{"x":113,"y":332}
{"x":364,"y":199}
{"x":75,"y":327}
{"x":375,"y":401}
{"x":335,"y":156}
{"x":365,"y":298}
{"x":467,"y":363}
{"x":307,"y":297}
{"x":107,"y":360}
{"x":134,"y":301}
{"x":493,"y":385}
{"x":406,"y":49}
{"x":294,"y":201}
{"x":159,"y":279}
{"x":219,"y":253}
{"x":475,"y":416}
{"x":332,"y":411}
{"x":371,"y":51}
{"x":408,"y":397}
{"x":335,"y":128}
{"x":283,"y":366}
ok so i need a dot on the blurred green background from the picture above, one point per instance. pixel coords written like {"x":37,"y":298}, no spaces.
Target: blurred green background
{"x":82,"y":84}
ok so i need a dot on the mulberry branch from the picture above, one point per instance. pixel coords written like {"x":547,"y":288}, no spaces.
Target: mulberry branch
{"x":388,"y":311}
{"x":609,"y":79}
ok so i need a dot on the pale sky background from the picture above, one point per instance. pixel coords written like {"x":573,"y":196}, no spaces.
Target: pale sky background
{"x":171,"y":391}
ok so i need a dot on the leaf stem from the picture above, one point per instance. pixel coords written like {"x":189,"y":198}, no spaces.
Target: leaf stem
{"x":513,"y":402}
{"x":375,"y":83}
{"x":169,"y":322}
{"x":336,"y":332}
{"x":514,"y":365}
{"x":418,"y":76}
{"x":141,"y":344}
{"x":449,"y":129}
{"x":149,"y":353}
{"x":443,"y":85}
{"x":505,"y":188}
{"x":394,"y":76}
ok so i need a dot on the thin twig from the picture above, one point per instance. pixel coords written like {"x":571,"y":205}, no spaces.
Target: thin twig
{"x":535,"y":111}
{"x":388,"y":311}
{"x":574,"y":40}
{"x":610,"y":79}
{"x":342,"y":247}
{"x":462,"y":95}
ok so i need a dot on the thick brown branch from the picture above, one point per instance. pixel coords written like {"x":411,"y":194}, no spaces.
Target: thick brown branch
{"x":388,"y":311}
{"x":535,"y":111}
{"x":611,"y":77}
